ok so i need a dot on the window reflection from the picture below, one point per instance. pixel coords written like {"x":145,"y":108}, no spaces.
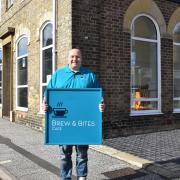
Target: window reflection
{"x":22,"y":67}
{"x":145,"y":28}
{"x":47,"y":64}
{"x":22,"y":47}
{"x":22,"y":97}
{"x":47,"y":35}
{"x":176,"y":69}
{"x":22,"y":71}
{"x":47,"y":57}
{"x":177,"y":34}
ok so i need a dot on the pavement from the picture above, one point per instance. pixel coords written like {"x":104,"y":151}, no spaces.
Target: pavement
{"x":157,"y":152}
{"x":153,"y":156}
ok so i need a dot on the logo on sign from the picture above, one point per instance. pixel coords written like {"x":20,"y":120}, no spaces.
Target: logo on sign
{"x":60,"y":112}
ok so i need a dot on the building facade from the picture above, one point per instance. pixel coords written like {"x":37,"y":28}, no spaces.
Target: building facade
{"x":132,"y":45}
{"x":29,"y":52}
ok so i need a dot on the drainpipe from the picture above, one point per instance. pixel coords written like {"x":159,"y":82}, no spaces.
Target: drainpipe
{"x":54,"y":34}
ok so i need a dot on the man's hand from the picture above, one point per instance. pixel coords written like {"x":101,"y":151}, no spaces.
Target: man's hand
{"x":102,"y":106}
{"x":44,"y":105}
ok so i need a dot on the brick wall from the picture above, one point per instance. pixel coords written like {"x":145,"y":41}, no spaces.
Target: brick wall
{"x":107,"y":52}
{"x":64,"y":31}
{"x":23,"y":17}
{"x":86,"y":30}
{"x":167,"y":8}
{"x":167,"y":75}
{"x":27,"y":17}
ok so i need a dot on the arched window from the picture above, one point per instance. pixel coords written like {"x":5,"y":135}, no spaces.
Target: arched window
{"x":46,"y":56}
{"x":22,"y":67}
{"x":176,"y":62}
{"x":145,"y":66}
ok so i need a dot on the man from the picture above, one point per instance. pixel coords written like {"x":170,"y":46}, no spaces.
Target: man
{"x":74,"y":76}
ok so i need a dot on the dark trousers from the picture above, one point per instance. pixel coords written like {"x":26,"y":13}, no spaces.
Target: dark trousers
{"x":66,"y":161}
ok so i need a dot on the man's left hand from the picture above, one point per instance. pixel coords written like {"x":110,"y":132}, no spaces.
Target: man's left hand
{"x":102,"y":106}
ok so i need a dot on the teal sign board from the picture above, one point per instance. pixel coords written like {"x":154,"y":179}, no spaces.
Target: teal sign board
{"x":73,"y":116}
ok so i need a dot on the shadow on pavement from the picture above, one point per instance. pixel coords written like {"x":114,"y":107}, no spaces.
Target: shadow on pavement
{"x":163,"y":170}
{"x":39,"y":161}
{"x":124,"y":174}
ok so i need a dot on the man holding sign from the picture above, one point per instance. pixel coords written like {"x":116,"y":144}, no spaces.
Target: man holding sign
{"x":74,"y":76}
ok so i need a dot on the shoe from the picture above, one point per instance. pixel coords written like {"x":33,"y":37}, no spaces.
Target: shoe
{"x":81,"y":178}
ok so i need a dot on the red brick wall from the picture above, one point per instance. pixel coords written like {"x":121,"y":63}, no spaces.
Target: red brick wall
{"x":97,"y":30}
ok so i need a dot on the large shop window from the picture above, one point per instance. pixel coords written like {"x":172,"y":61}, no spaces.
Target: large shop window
{"x":145,"y":66}
{"x":1,"y":76}
{"x":176,"y":59}
{"x":46,"y":56}
{"x":22,"y":64}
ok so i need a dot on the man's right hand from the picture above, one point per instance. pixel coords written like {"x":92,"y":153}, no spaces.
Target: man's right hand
{"x":44,"y":105}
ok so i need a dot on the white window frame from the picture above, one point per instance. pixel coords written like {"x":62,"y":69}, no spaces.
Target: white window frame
{"x":41,"y":61}
{"x":20,"y":86}
{"x":175,"y":110}
{"x":158,"y":41}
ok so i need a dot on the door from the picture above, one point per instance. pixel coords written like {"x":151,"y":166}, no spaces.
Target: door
{"x":7,"y":80}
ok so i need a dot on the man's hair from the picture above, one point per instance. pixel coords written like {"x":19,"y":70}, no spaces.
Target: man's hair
{"x":76,"y":49}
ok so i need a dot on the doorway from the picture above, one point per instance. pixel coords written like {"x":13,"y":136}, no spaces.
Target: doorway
{"x":7,"y":81}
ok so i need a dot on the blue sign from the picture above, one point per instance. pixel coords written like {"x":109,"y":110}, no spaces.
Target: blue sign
{"x":73,"y":116}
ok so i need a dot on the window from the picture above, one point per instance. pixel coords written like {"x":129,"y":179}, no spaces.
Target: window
{"x":0,"y":76}
{"x":145,"y":66}
{"x":9,"y":3}
{"x":46,"y":56}
{"x":176,"y":69}
{"x":22,"y":67}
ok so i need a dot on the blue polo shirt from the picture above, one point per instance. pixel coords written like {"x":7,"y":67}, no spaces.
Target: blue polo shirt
{"x":65,"y":78}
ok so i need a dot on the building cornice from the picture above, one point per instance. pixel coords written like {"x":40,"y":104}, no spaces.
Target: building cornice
{"x":7,"y":32}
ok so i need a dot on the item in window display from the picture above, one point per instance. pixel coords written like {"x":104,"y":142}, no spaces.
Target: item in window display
{"x":137,"y":103}
{"x":133,"y":58}
{"x":141,"y":92}
{"x":145,"y":91}
{"x":48,"y":77}
{"x":23,"y":62}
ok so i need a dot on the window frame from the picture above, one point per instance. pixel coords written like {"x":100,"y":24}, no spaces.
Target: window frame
{"x":158,"y":42}
{"x":41,"y":61}
{"x":175,"y":110}
{"x":21,"y":86}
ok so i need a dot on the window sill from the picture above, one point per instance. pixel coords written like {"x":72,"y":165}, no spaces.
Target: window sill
{"x":41,"y":113}
{"x":21,"y":109}
{"x":176,"y":111}
{"x":146,"y":113}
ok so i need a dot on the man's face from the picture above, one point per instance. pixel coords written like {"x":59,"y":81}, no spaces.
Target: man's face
{"x":74,"y":59}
